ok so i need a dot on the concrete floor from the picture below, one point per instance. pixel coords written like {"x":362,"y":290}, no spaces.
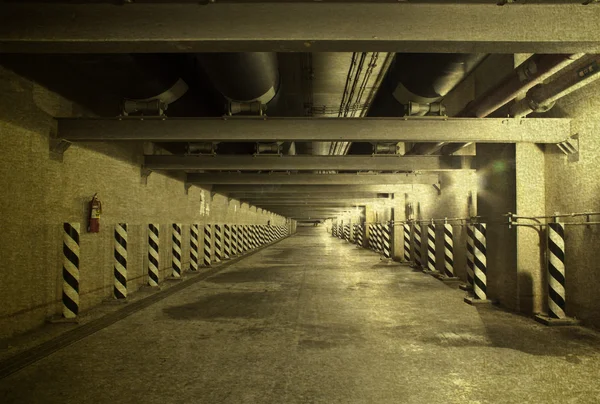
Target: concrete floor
{"x":315,"y":320}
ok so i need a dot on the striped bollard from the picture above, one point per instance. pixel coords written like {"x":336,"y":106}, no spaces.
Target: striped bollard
{"x":556,"y":270}
{"x":431,"y":248}
{"x":371,"y":237}
{"x":480,"y":265}
{"x":418,"y":246}
{"x":406,"y":238}
{"x":379,"y":238}
{"x":447,"y":274}
{"x":556,"y":278}
{"x":341,"y":231}
{"x":245,"y":238}
{"x":334,"y":230}
{"x":359,"y":238}
{"x":226,"y":241}
{"x":387,"y":240}
{"x":207,"y":260}
{"x":176,"y":247}
{"x":252,"y":232}
{"x":354,"y":232}
{"x":218,"y":243}
{"x":347,"y":232}
{"x":262,"y":234}
{"x":70,"y":271}
{"x":153,"y":258}
{"x":120,"y":267}
{"x":234,"y":240}
{"x":449,"y":251}
{"x":470,"y":266}
{"x":194,"y":247}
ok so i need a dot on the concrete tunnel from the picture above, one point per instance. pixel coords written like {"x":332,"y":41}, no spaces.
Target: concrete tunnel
{"x":296,"y":202}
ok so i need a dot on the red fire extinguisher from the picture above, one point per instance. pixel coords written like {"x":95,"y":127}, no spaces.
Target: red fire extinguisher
{"x":94,"y":218}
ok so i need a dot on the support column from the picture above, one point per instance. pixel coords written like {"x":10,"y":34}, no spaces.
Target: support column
{"x":120,"y":267}
{"x":70,"y":271}
{"x":153,"y":257}
{"x":359,"y":235}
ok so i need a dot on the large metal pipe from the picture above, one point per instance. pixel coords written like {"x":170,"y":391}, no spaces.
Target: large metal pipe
{"x":243,"y":76}
{"x":541,"y":98}
{"x":535,"y":70}
{"x":424,"y":78}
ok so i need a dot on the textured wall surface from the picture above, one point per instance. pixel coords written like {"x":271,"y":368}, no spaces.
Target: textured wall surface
{"x":39,"y":193}
{"x":573,"y":187}
{"x":496,"y":196}
{"x":531,"y":195}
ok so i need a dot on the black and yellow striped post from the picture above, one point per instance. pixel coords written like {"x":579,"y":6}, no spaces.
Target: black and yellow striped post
{"x":234,"y":240}
{"x":153,"y":257}
{"x":417,"y":240}
{"x":176,"y":250}
{"x":448,"y":273}
{"x":431,"y":264}
{"x":120,"y":267}
{"x":555,"y":254}
{"x":70,"y":270}
{"x":194,"y":247}
{"x":406,"y":238}
{"x":245,"y":238}
{"x":379,"y":238}
{"x":387,"y":231}
{"x":480,"y":293}
{"x":469,"y":263}
{"x":360,"y":236}
{"x":226,"y":241}
{"x":207,"y":260}
{"x":218,"y":237}
{"x":334,"y":229}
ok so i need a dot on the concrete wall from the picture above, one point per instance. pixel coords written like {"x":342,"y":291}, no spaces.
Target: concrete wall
{"x":455,"y":199}
{"x":39,"y":193}
{"x":575,"y":187}
{"x":496,"y":196}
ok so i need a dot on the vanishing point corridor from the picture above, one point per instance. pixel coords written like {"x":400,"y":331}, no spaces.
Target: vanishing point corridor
{"x":313,"y":319}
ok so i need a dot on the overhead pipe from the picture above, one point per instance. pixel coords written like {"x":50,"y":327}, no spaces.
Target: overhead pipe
{"x":535,"y":70}
{"x":243,"y":76}
{"x":421,"y":78}
{"x":543,"y":97}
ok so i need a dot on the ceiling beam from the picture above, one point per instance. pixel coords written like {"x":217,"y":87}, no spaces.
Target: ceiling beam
{"x":315,"y":189}
{"x":384,"y":27}
{"x":310,"y":179}
{"x":307,"y":163}
{"x":276,"y":196}
{"x":419,"y":129}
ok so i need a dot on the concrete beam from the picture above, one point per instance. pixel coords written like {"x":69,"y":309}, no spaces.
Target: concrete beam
{"x":307,"y":163}
{"x":427,"y":129}
{"x":316,"y":189}
{"x":278,"y":196}
{"x":310,"y":179}
{"x":384,"y":27}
